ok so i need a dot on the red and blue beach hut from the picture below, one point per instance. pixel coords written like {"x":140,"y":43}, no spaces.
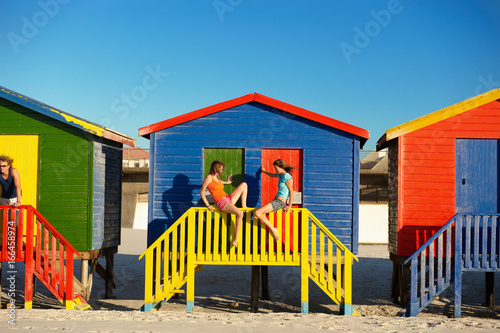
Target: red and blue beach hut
{"x":444,"y":173}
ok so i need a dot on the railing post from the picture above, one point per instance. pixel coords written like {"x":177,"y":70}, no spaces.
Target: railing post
{"x":347,"y":279}
{"x":190,"y":261}
{"x":69,"y":279}
{"x":148,"y":282}
{"x":304,"y":262}
{"x":29,"y":264}
{"x":458,"y":266}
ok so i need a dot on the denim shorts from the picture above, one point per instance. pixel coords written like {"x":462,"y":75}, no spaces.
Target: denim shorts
{"x":277,"y":204}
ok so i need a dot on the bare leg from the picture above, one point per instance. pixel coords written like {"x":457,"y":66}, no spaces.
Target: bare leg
{"x":261,"y":215}
{"x":240,"y":190}
{"x":232,"y":209}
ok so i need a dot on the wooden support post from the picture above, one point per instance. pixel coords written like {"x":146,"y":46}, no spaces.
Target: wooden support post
{"x":84,"y":276}
{"x":264,"y":271}
{"x":111,"y":279}
{"x":490,"y":288}
{"x":254,"y":294}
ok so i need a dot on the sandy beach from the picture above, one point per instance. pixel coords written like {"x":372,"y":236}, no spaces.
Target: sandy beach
{"x":222,"y":302}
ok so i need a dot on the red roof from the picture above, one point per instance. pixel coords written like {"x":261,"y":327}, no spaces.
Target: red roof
{"x":364,"y":134}
{"x":135,"y":153}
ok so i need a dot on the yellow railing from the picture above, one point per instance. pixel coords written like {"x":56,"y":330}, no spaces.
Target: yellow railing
{"x":201,"y":237}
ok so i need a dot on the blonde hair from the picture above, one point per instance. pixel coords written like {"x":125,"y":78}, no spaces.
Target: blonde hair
{"x":5,"y":158}
{"x":282,"y":164}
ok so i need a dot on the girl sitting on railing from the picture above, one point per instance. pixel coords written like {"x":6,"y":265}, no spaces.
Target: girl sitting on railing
{"x":224,"y":202}
{"x":285,"y":192}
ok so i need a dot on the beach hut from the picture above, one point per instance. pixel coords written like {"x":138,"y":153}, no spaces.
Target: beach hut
{"x":246,"y":133}
{"x":441,"y":164}
{"x":71,"y":171}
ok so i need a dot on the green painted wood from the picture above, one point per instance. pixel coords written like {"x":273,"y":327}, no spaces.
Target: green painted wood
{"x":63,"y":194}
{"x":235,"y":164}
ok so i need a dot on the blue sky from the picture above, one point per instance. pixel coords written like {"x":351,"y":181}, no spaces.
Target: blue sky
{"x":128,"y":64}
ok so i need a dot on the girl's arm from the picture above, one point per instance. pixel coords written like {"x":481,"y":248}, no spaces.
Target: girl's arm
{"x":270,"y":174}
{"x":206,"y":181}
{"x":17,"y":184}
{"x":290,"y":198}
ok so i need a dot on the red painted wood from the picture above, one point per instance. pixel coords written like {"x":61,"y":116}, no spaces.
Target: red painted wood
{"x":40,"y":261}
{"x":269,"y":185}
{"x":364,"y":134}
{"x":426,"y":178}
{"x":29,"y":264}
{"x":195,"y":114}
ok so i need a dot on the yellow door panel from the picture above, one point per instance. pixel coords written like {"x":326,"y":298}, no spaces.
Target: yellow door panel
{"x":24,"y":149}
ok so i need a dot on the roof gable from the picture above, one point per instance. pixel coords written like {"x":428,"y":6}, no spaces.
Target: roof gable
{"x":437,"y":116}
{"x":65,"y":117}
{"x":362,"y":133}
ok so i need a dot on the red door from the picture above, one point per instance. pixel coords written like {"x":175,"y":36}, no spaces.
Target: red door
{"x":292,"y":157}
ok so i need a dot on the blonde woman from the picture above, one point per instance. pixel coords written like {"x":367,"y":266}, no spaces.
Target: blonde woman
{"x":10,"y":183}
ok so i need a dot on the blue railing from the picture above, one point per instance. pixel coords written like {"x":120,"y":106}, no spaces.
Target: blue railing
{"x":477,"y":241}
{"x":431,"y":281}
{"x":475,"y":238}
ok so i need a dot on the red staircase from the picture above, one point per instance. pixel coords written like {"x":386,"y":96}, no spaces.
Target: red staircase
{"x":28,"y":237}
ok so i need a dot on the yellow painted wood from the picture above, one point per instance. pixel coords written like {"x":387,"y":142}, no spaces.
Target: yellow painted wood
{"x":208,"y":249}
{"x":148,"y":280}
{"x":312,"y":263}
{"x":330,"y":266}
{"x":287,"y":257}
{"x":24,"y":149}
{"x":304,"y":264}
{"x":348,"y":278}
{"x":443,"y":114}
{"x":340,"y":278}
{"x":296,"y":233}
{"x":215,"y":238}
{"x":157,"y":269}
{"x":271,"y":255}
{"x":201,"y":222}
{"x":190,"y":259}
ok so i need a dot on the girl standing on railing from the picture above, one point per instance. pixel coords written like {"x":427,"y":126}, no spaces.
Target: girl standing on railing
{"x":224,"y":202}
{"x":285,"y":192}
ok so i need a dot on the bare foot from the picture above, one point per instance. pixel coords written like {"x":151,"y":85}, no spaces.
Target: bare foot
{"x":276,"y":236}
{"x":235,"y":243}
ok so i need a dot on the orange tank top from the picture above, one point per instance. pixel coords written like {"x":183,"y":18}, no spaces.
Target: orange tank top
{"x":216,"y":189}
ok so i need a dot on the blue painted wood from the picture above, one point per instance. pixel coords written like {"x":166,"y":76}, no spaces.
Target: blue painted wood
{"x":477,"y":171}
{"x":106,"y":201}
{"x":424,"y":277}
{"x":331,"y":164}
{"x":458,"y":266}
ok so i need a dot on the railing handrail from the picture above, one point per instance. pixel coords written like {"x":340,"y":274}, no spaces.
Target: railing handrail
{"x":46,"y":224}
{"x":166,"y":233}
{"x":186,"y":213}
{"x":441,"y":230}
{"x":330,"y":235}
{"x":431,"y":240}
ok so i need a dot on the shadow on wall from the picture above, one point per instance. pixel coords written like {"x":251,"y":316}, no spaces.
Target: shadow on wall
{"x":178,"y":199}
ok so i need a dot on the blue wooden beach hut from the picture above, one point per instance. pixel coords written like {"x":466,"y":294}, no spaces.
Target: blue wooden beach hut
{"x":246,"y":133}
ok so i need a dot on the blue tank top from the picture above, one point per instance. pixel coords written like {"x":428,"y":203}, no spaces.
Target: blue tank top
{"x":8,"y":186}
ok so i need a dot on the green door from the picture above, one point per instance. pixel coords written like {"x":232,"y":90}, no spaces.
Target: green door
{"x":235,"y":164}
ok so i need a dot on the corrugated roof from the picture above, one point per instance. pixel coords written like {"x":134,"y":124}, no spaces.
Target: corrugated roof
{"x":65,"y":117}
